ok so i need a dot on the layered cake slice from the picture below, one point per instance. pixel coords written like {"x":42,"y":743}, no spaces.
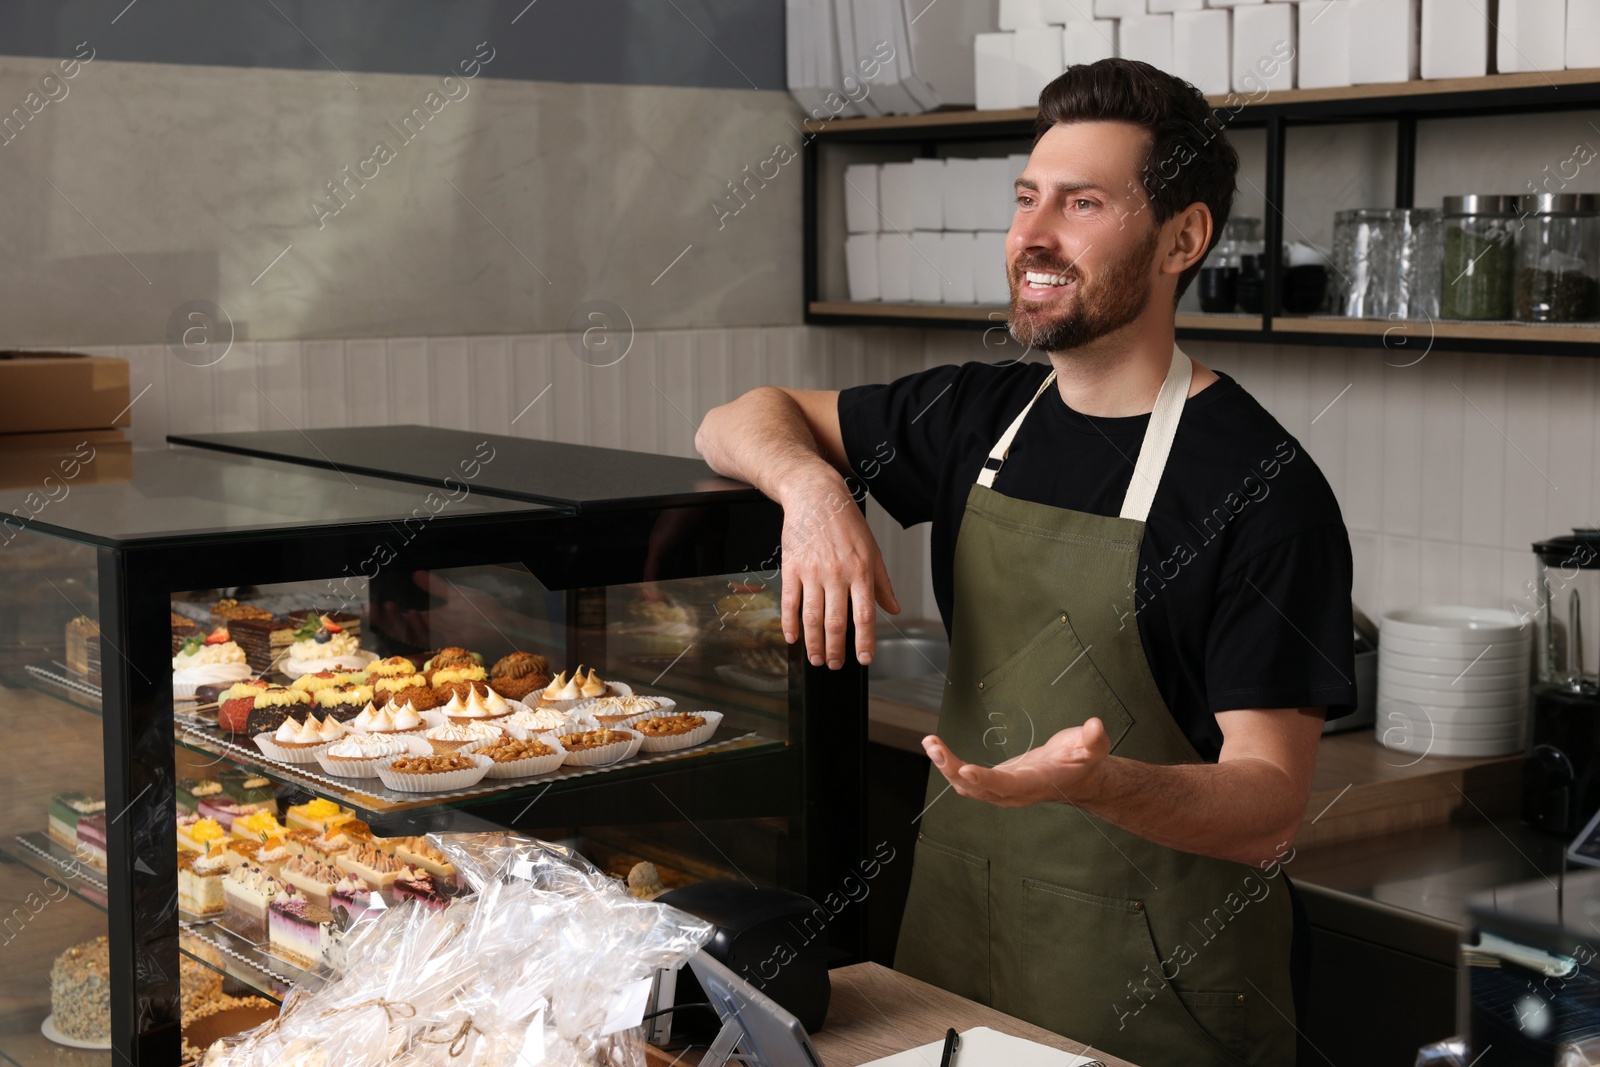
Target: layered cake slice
{"x":191,"y":791}
{"x":412,"y":884}
{"x":224,"y":811}
{"x":66,"y":809}
{"x":247,"y":892}
{"x":246,"y":787}
{"x":356,"y":898}
{"x":197,"y":833}
{"x":258,"y":826}
{"x":371,"y":864}
{"x":299,"y":931}
{"x":92,"y":840}
{"x":311,"y":878}
{"x":320,"y":815}
{"x":200,"y":881}
{"x":418,"y":853}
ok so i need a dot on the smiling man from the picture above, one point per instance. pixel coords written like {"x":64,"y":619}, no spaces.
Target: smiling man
{"x":1147,"y":587}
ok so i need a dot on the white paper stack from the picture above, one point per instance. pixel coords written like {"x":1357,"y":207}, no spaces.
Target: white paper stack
{"x":1021,"y":14}
{"x":861,"y":197}
{"x":1583,"y":34}
{"x":1532,"y":35}
{"x":861,"y":265}
{"x":882,"y":57}
{"x":1089,"y":42}
{"x":1202,"y":46}
{"x":995,"y":67}
{"x":927,"y":194}
{"x":1383,"y":41}
{"x":955,"y":266}
{"x":927,"y":283}
{"x":989,"y":269}
{"x":961,"y":194}
{"x":1263,"y":35}
{"x":1147,"y":38}
{"x":1037,"y":54}
{"x":894,"y":267}
{"x":1066,"y":12}
{"x":896,"y":197}
{"x":1455,"y":39}
{"x":1324,"y":51}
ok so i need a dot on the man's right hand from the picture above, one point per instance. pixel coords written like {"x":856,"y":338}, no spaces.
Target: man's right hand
{"x":831,"y":566}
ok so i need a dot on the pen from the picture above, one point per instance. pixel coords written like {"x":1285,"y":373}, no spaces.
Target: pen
{"x":952,"y":1041}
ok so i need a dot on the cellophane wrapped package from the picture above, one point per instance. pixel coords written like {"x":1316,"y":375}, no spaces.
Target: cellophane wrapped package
{"x":546,"y":961}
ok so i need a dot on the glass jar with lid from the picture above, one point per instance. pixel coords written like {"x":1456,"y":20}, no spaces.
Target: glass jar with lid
{"x":1478,"y":258}
{"x":1558,"y":258}
{"x":1221,"y":271}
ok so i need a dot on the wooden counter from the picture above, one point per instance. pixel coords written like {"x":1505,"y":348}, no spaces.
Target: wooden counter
{"x":876,"y":1012}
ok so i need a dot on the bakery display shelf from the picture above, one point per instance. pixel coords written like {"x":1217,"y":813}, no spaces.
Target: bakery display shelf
{"x":39,"y":852}
{"x":249,"y":963}
{"x":30,"y":1048}
{"x":55,"y":680}
{"x":369,"y":796}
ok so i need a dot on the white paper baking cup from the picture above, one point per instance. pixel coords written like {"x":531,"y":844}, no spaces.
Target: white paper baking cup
{"x":600,"y":757}
{"x":368,"y":768}
{"x":354,"y":662}
{"x":527,"y":768}
{"x":698,"y":736}
{"x":434,"y":783}
{"x":591,"y":709}
{"x":275,"y":751}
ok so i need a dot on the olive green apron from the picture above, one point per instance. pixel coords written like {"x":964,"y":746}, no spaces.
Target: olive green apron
{"x":1046,"y":912}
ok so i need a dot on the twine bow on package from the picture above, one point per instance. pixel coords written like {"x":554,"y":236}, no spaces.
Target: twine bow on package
{"x":546,"y":961}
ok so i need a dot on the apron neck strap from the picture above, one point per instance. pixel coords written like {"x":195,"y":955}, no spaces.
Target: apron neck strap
{"x":1158,"y":436}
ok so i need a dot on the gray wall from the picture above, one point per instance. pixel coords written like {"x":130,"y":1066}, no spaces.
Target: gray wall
{"x":726,"y":44}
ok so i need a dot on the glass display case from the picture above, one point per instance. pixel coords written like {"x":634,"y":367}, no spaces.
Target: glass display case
{"x":164,"y":813}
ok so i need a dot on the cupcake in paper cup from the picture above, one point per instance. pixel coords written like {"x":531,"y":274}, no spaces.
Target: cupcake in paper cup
{"x":299,"y":742}
{"x":433,"y":772}
{"x":598,"y":746}
{"x":461,"y":736}
{"x":523,"y":757}
{"x":477,"y":707}
{"x":526,"y":722}
{"x":358,"y":755}
{"x":670,"y":731}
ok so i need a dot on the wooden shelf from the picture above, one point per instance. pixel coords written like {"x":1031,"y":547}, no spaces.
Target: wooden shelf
{"x":1576,"y":339}
{"x":1539,"y":90}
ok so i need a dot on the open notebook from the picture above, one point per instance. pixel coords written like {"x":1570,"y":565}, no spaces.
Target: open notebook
{"x":983,"y":1046}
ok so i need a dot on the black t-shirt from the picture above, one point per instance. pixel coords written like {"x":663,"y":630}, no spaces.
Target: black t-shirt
{"x":1243,"y":589}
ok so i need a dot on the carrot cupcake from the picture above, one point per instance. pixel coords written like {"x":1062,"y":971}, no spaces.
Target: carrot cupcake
{"x":410,"y":689}
{"x":458,"y":680}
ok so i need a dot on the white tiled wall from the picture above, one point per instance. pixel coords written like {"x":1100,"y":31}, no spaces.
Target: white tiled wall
{"x":1446,"y":470}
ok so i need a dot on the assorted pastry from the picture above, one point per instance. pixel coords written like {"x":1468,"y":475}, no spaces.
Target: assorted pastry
{"x":402,"y":719}
{"x":670,"y":725}
{"x":520,"y":673}
{"x":208,"y":660}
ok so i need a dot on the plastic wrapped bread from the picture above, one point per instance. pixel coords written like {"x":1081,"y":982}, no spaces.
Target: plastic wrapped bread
{"x":534,"y":966}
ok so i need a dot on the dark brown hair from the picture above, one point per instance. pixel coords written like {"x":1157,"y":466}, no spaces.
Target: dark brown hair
{"x":1189,"y":159}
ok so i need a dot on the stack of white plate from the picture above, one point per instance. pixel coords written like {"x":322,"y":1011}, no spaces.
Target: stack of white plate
{"x":1453,"y":681}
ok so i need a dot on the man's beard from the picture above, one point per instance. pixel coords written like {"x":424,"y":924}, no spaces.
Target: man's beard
{"x":1116,"y":298}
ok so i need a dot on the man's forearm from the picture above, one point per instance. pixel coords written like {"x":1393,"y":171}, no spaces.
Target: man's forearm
{"x":1243,"y":810}
{"x":762,"y":438}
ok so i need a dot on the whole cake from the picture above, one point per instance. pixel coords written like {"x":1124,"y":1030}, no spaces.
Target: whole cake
{"x":80,"y":991}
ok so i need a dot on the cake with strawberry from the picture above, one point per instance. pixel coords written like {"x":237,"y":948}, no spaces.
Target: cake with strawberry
{"x":323,"y":645}
{"x":252,"y":709}
{"x":207,"y":660}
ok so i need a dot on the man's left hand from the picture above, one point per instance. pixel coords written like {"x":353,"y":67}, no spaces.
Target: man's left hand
{"x":1066,"y":768}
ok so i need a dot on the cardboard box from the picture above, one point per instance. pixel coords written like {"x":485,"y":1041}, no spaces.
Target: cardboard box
{"x":1148,"y":39}
{"x":47,"y":462}
{"x":1583,"y":34}
{"x":1383,"y":41}
{"x":994,"y":67}
{"x":1262,"y":35}
{"x":955,"y":264}
{"x":861,"y":198}
{"x":1089,"y":42}
{"x":927,"y":250}
{"x":1037,"y":54}
{"x":894,"y":268}
{"x":927,"y":194}
{"x":989,"y":282}
{"x":861,"y":265}
{"x":1532,"y":36}
{"x":1202,"y":49}
{"x":46,"y":391}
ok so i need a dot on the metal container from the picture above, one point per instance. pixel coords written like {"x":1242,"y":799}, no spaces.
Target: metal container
{"x":1478,"y":257}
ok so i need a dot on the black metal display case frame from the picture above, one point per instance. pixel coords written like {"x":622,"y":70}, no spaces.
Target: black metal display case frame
{"x":818,"y":776}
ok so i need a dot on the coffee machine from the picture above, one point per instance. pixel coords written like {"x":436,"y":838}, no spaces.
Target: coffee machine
{"x":1561,"y":780}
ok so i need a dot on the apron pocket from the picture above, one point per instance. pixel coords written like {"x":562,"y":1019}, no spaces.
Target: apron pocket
{"x":1049,"y":684}
{"x":1091,"y":972}
{"x":944,"y":937}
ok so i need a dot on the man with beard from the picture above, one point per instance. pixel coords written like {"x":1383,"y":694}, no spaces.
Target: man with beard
{"x":1147,"y":588}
